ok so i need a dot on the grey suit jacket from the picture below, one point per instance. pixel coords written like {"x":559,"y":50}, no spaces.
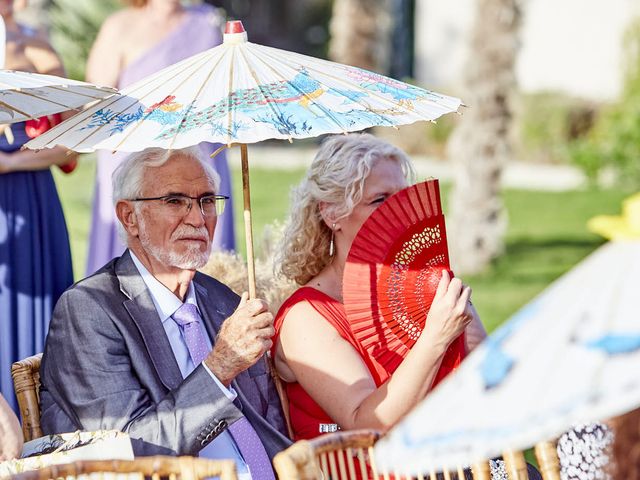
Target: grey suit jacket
{"x":108,"y":364}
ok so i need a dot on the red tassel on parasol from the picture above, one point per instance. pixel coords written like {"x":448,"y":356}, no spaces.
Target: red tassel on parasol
{"x":391,"y":276}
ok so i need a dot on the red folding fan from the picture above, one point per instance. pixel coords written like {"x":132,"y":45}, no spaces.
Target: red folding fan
{"x":391,"y":275}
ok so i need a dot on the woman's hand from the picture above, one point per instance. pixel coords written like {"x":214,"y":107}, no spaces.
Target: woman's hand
{"x":450,"y":313}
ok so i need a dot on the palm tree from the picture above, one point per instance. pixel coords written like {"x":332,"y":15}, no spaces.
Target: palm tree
{"x":360,"y":31}
{"x":481,"y":145}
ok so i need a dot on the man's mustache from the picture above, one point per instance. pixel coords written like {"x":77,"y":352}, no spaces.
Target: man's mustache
{"x":186,"y":231}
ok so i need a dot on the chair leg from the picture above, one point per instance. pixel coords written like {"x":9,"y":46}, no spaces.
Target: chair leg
{"x":547,"y":455}
{"x":515,"y":465}
{"x":481,"y":471}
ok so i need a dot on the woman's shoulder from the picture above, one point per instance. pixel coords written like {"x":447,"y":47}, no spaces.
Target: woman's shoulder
{"x":299,"y":300}
{"x":306,"y":295}
{"x":121,"y":21}
{"x":308,"y":303}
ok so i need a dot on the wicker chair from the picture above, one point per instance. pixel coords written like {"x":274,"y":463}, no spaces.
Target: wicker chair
{"x":349,"y":455}
{"x":156,"y":468}
{"x":340,"y":455}
{"x":26,"y":382}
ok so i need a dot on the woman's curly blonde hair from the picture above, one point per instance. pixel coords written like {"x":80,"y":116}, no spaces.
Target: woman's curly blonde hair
{"x":336,"y":177}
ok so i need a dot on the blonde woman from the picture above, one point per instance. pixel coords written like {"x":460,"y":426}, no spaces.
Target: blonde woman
{"x":327,"y":378}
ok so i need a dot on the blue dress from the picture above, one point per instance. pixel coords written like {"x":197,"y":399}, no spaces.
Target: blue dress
{"x":35,"y":261}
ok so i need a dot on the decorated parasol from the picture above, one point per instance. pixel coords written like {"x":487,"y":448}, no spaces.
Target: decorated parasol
{"x":391,"y":275}
{"x":28,"y":96}
{"x":239,"y":93}
{"x":568,"y":357}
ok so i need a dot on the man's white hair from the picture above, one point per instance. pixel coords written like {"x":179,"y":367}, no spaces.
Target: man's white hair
{"x":128,"y":177}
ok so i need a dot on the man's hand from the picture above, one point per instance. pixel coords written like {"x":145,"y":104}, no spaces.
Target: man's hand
{"x":243,"y":338}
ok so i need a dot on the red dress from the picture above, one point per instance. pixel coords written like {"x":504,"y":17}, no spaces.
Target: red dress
{"x":306,"y":415}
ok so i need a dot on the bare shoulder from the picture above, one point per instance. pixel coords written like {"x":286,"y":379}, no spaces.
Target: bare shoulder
{"x":303,"y":322}
{"x":121,"y":20}
{"x":119,"y":25}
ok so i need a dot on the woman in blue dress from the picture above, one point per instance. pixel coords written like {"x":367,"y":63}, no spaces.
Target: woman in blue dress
{"x":35,"y":260}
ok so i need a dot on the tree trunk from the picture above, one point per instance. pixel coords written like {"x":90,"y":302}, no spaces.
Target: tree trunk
{"x":360,"y":33}
{"x":481,"y":144}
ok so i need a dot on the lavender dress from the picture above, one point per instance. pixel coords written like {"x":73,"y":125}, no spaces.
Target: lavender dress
{"x":200,"y":31}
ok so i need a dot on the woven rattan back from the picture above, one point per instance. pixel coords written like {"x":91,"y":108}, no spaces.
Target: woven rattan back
{"x":349,"y":456}
{"x":154,"y":468}
{"x":340,"y":455}
{"x":26,"y":382}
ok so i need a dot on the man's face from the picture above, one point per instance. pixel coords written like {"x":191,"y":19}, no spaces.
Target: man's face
{"x":182,"y":241}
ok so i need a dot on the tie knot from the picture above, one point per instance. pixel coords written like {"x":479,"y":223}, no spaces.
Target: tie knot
{"x":187,"y":313}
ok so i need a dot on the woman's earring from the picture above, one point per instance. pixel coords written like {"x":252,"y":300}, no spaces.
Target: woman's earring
{"x":331,"y":245}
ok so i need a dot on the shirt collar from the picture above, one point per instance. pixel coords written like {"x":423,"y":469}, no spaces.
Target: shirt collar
{"x":165,"y":301}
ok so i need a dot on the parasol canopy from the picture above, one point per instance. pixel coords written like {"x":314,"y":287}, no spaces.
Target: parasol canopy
{"x":26,"y":96}
{"x":242,"y":92}
{"x":570,"y":356}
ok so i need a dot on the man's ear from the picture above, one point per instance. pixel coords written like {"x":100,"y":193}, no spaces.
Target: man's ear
{"x":127,"y":216}
{"x":327,"y":212}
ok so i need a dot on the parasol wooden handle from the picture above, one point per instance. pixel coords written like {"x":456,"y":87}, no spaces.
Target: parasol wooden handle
{"x":251,"y":271}
{"x":248,"y":231}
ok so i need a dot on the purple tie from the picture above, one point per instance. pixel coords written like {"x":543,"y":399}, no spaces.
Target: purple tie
{"x":246,"y":438}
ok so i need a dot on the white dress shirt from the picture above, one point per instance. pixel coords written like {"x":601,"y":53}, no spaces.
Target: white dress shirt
{"x":166,"y":303}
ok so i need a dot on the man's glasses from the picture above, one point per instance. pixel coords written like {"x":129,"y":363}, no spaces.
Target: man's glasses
{"x":179,"y":205}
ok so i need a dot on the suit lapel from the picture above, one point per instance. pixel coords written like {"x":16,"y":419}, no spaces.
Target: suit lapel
{"x":144,"y":314}
{"x":211,"y":316}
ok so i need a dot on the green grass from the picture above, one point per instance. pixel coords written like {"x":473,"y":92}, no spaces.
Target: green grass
{"x":546,"y":236}
{"x":76,"y":195}
{"x":269,"y":201}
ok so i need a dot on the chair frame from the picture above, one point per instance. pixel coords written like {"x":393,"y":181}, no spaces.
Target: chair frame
{"x":307,"y":459}
{"x":184,"y":468}
{"x":303,"y":459}
{"x":26,"y":382}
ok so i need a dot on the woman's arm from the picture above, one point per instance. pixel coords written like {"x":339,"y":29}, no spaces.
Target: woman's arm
{"x":334,"y":375}
{"x":105,"y":59}
{"x":23,"y":160}
{"x":10,"y":433}
{"x":43,"y":57}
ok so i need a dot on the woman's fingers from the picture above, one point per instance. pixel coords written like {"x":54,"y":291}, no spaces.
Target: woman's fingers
{"x":454,"y":291}
{"x":463,"y":300}
{"x":443,"y":285}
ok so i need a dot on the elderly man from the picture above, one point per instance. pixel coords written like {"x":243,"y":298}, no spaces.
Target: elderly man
{"x":149,"y":346}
